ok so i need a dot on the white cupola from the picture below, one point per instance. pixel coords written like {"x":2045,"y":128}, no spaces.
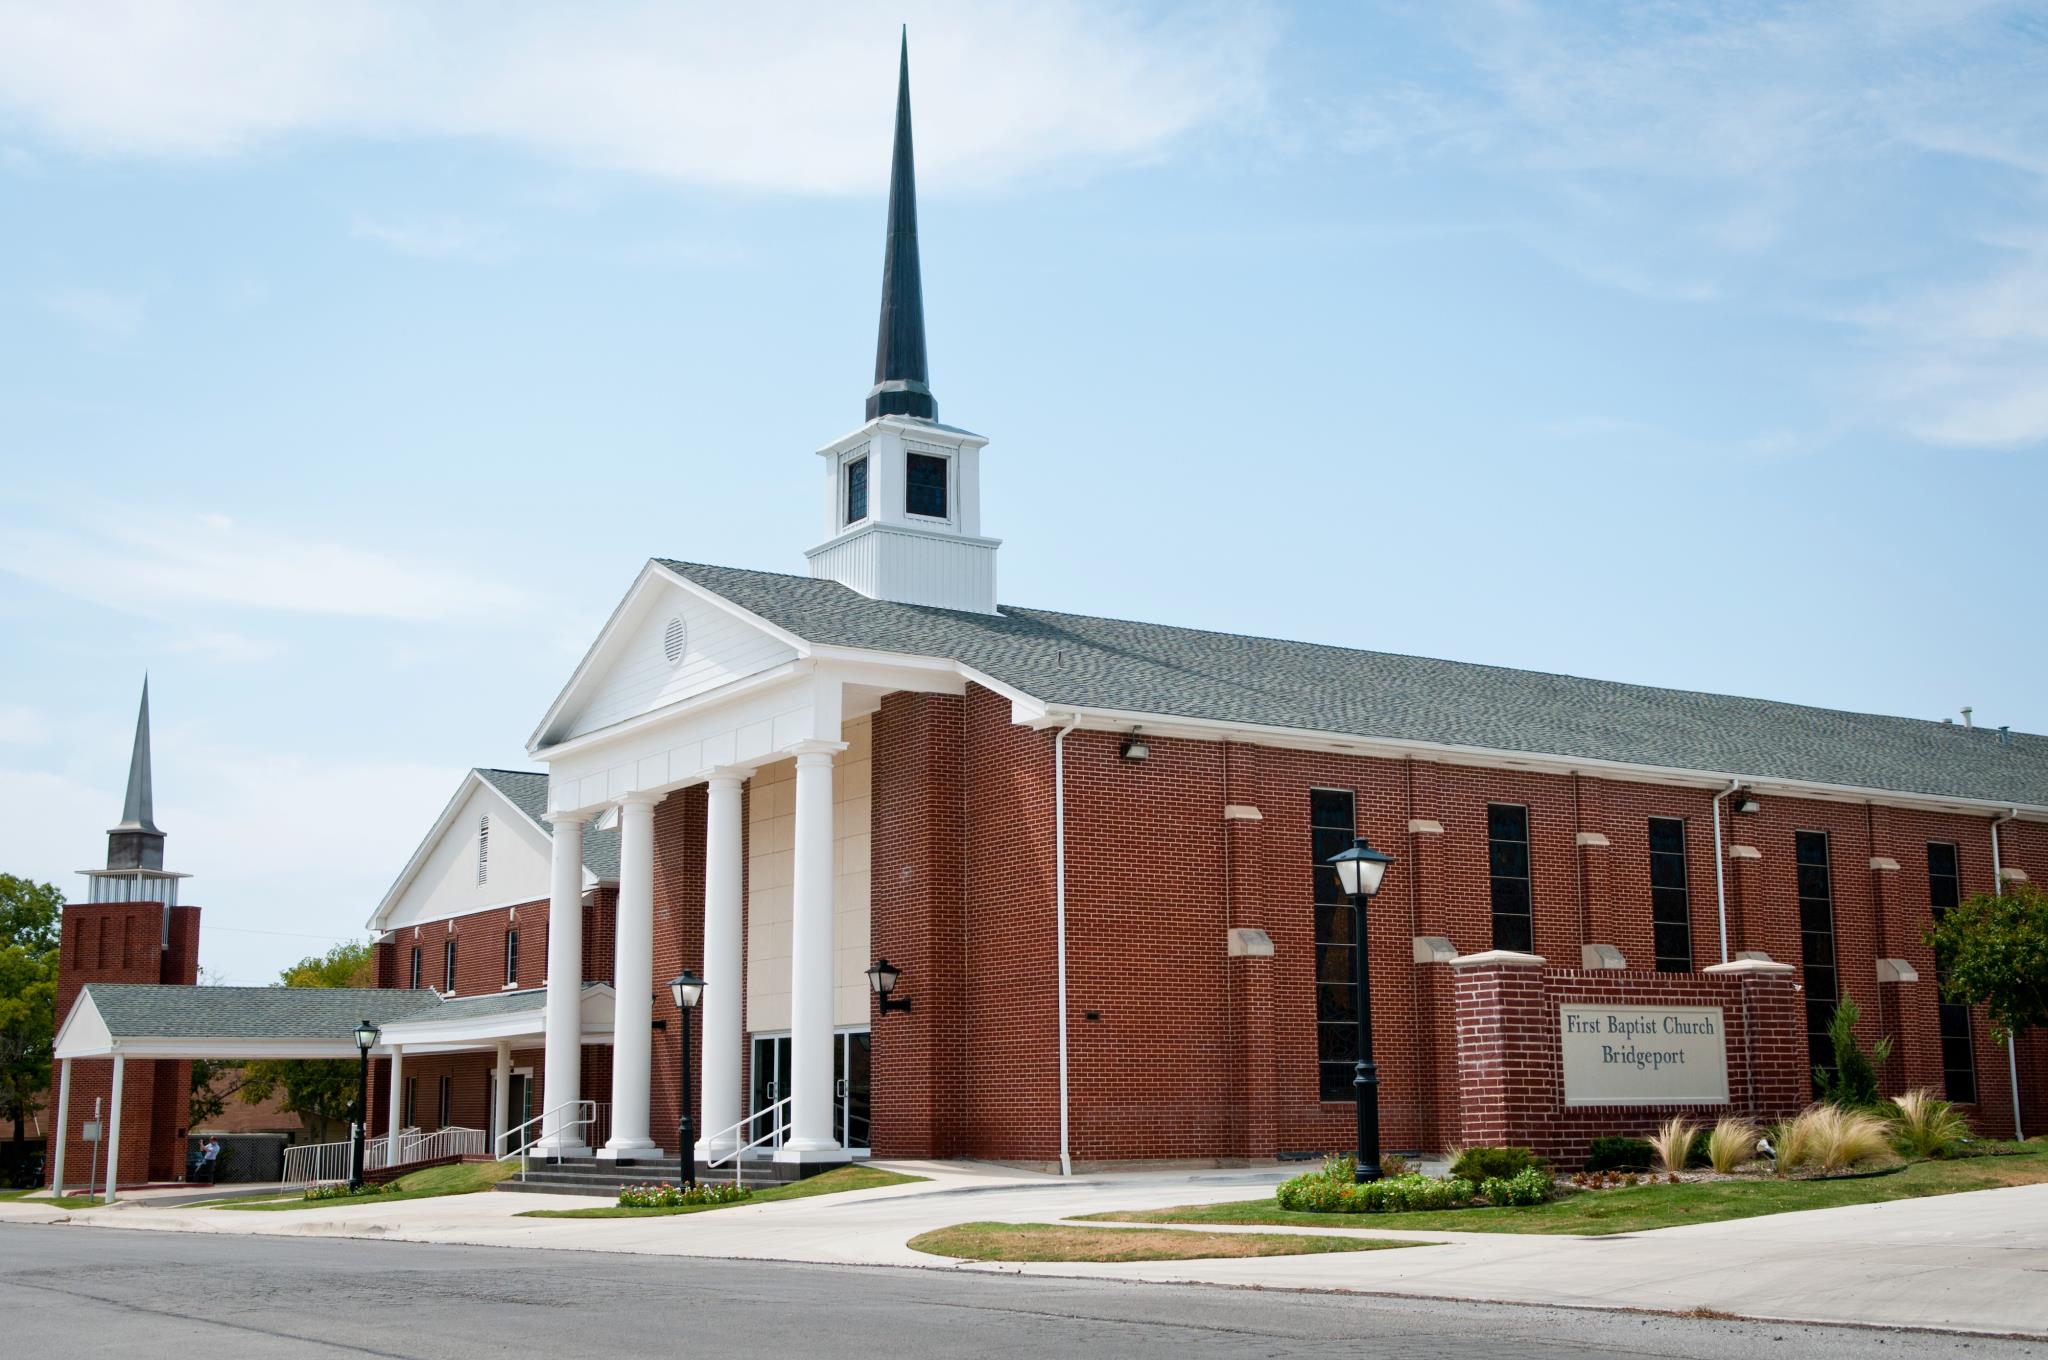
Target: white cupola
{"x":903,"y":492}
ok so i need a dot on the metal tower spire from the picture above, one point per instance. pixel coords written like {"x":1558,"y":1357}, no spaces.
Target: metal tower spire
{"x":902,"y":375}
{"x":136,"y":843}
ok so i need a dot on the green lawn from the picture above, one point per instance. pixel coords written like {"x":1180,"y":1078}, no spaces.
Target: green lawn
{"x":1067,"y":1242}
{"x":1644,"y":1207}
{"x":829,"y":1183}
{"x":458,"y":1178}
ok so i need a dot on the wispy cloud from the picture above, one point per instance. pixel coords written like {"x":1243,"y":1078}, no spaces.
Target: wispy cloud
{"x":102,"y":317}
{"x":133,"y":559}
{"x":22,"y":725}
{"x":441,"y":239}
{"x":788,"y":97}
{"x":227,"y":646}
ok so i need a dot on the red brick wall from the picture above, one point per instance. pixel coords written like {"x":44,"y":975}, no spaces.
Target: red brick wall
{"x":126,"y":942}
{"x":679,"y":829}
{"x":1510,"y":1052}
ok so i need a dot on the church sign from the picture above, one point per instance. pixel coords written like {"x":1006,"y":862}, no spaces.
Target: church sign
{"x":1644,"y":1055}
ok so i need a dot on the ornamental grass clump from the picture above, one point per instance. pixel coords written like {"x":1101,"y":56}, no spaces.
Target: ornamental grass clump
{"x":1847,"y":1137}
{"x":1926,"y":1125}
{"x":1730,"y":1143}
{"x":1672,"y":1142}
{"x":657,"y":1196}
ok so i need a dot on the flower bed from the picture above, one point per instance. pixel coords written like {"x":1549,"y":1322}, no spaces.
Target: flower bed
{"x":1332,"y":1190}
{"x":657,"y":1196}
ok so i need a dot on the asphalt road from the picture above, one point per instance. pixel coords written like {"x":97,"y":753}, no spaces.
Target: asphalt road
{"x":107,"y":1293}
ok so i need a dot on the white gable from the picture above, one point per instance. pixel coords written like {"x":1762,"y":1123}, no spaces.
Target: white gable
{"x":666,"y":644}
{"x":444,"y":881}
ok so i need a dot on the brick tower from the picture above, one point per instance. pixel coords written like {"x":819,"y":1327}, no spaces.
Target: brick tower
{"x":131,"y":929}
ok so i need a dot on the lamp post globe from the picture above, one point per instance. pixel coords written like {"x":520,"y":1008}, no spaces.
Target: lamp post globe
{"x":366,"y":1035}
{"x":1360,"y":870}
{"x":686,"y":989}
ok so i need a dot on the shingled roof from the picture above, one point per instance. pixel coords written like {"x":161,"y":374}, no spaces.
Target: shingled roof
{"x":1086,"y":662}
{"x":527,"y":790}
{"x":144,"y":1010}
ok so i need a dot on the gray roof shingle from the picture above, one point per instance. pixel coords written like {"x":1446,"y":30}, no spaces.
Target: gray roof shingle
{"x":1075,"y":659}
{"x":527,"y":790}
{"x":143,"y":1010}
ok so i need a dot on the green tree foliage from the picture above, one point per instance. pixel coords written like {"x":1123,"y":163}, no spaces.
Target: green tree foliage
{"x":321,"y":1092}
{"x":29,"y":933}
{"x":1853,"y":1082}
{"x":1994,"y":953}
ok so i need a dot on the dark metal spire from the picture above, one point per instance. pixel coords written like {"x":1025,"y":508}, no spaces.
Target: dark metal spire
{"x":136,"y":843}
{"x":901,"y":375}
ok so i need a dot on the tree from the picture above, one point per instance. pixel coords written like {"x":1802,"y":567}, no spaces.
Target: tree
{"x":30,"y":913}
{"x":1852,"y":1081}
{"x":321,"y":1092}
{"x":1993,"y":952}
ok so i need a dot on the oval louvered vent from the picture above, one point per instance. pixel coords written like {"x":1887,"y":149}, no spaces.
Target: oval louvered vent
{"x":673,"y":640}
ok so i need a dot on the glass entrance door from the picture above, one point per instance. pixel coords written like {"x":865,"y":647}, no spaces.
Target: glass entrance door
{"x":768,"y":1081}
{"x":518,"y":1110}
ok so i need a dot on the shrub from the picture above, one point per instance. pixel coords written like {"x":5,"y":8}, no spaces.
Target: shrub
{"x":342,"y":1190}
{"x":1320,"y":1192}
{"x":656,"y":1196}
{"x":1530,"y":1185}
{"x":1673,"y":1143}
{"x":1619,"y":1154}
{"x":1852,"y":1083}
{"x":1730,"y":1143}
{"x":1927,"y":1125}
{"x":1494,"y":1163}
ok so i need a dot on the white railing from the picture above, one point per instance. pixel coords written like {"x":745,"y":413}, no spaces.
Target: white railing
{"x":581,"y":1114}
{"x":778,"y":1124}
{"x":319,"y":1163}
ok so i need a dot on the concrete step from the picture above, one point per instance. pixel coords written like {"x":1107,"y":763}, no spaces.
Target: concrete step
{"x":607,"y":1178}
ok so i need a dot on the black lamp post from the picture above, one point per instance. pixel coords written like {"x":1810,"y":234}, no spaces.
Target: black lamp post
{"x":366,"y":1039}
{"x":882,"y":981}
{"x":687,"y":989}
{"x":1359,"y":871}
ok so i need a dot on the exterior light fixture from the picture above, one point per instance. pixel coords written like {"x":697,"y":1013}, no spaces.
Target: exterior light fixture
{"x":366,"y":1036}
{"x":1134,"y":747}
{"x":686,"y":989}
{"x":882,"y":981}
{"x":1746,"y":802}
{"x":1359,"y":873}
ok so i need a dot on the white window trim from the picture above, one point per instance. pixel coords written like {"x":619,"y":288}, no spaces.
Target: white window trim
{"x":846,"y":462}
{"x":951,"y":518}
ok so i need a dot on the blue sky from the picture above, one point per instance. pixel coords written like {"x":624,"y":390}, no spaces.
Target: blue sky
{"x":355,"y":356}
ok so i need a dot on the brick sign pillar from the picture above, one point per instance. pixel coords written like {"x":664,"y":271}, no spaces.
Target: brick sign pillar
{"x":1506,"y":1076}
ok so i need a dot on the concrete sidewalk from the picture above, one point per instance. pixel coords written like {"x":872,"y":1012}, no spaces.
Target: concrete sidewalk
{"x":1973,"y":1261}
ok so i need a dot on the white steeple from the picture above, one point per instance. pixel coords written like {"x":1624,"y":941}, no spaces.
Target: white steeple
{"x":903,"y":492}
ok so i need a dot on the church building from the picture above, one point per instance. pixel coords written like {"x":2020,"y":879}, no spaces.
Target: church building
{"x":965,"y":879}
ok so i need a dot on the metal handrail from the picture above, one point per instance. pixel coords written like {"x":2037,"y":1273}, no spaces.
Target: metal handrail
{"x":582,"y":1120}
{"x":739,"y":1154}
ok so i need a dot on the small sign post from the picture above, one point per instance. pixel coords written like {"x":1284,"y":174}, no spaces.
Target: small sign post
{"x":92,"y":1135}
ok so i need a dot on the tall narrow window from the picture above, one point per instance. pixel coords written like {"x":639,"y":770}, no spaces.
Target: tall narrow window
{"x":511,"y":958}
{"x":857,"y":490}
{"x":1817,"y":947}
{"x":412,"y":1103}
{"x":1670,"y":905}
{"x":924,"y":485}
{"x":1958,"y":1060}
{"x":447,"y":1101}
{"x":448,"y":966}
{"x":415,"y":982}
{"x":483,"y":848}
{"x":1332,"y":820}
{"x":1507,"y":849}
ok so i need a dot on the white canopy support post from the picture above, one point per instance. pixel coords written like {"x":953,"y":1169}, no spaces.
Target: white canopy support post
{"x":63,"y":1125}
{"x":394,"y":1097}
{"x":501,"y":1093}
{"x":112,"y":1132}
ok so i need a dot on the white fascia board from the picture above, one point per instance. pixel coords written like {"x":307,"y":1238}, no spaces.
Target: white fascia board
{"x":457,"y":1030}
{"x":441,"y":826}
{"x":1211,"y":729}
{"x":398,"y":932}
{"x":243,"y":1050}
{"x":626,"y":727}
{"x":929,"y":431}
{"x":84,"y":1033}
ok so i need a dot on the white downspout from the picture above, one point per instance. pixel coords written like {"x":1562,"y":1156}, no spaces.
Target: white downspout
{"x":2012,"y":1060}
{"x":1059,"y":897}
{"x":1721,"y":866}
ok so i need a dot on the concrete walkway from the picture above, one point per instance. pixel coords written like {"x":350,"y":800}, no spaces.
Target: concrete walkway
{"x":1975,"y":1261}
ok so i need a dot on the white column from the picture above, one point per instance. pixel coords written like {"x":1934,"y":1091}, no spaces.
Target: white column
{"x":810,"y":964}
{"x":564,"y":1038}
{"x":63,"y":1125}
{"x":724,"y":1022}
{"x":394,"y":1098}
{"x":633,"y":981}
{"x":501,"y":1095}
{"x":112,"y":1132}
